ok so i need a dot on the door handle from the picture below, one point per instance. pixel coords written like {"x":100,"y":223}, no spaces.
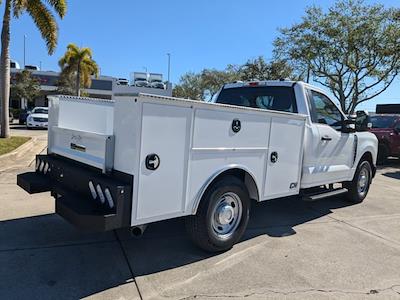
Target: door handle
{"x":326,"y":138}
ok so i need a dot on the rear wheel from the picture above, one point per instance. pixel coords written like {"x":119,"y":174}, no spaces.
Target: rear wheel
{"x":222,"y":215}
{"x":359,"y":186}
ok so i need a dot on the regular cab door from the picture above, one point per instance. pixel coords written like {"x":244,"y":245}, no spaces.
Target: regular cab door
{"x":331,"y":157}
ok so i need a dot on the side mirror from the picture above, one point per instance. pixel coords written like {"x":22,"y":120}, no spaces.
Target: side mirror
{"x":349,"y":125}
{"x":363,"y":121}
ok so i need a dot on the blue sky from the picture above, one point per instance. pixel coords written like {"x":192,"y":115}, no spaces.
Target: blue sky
{"x":130,"y":35}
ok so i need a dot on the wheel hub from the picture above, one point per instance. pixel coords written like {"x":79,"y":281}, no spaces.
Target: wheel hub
{"x":225,"y":214}
{"x":363,"y":179}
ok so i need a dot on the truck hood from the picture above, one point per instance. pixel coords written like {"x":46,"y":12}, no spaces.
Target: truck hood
{"x":40,"y":116}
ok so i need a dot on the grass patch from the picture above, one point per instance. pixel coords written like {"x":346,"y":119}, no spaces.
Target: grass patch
{"x":12,"y":143}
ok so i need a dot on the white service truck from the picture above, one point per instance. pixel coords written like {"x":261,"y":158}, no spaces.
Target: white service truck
{"x":141,"y":158}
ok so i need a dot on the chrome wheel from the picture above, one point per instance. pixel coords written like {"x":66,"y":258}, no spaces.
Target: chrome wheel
{"x":226,"y":215}
{"x":363,"y":182}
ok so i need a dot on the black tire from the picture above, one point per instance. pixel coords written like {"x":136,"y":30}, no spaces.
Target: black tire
{"x":356,"y":193}
{"x":201,"y":227}
{"x":383,"y":153}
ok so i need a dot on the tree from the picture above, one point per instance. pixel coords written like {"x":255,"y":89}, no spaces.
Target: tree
{"x":25,"y":86}
{"x":206,"y":84}
{"x":66,"y":84}
{"x":259,"y":69}
{"x":47,"y":25}
{"x":189,"y":87}
{"x":78,"y":62}
{"x":353,"y":49}
{"x":212,"y":80}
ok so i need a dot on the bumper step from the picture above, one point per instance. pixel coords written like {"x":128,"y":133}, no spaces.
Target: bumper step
{"x":33,"y":182}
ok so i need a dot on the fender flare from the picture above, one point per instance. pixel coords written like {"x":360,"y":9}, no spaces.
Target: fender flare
{"x":215,"y":175}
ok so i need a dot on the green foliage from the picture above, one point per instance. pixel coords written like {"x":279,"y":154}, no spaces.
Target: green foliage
{"x":25,"y":86}
{"x":12,"y":143}
{"x":78,"y":62}
{"x":43,"y":17}
{"x":205,"y":84}
{"x":353,"y":49}
{"x":259,"y":69}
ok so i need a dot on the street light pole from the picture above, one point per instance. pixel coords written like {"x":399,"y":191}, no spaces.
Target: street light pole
{"x":24,"y":50}
{"x":169,"y":66}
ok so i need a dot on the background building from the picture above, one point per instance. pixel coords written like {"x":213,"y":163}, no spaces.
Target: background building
{"x":104,"y":87}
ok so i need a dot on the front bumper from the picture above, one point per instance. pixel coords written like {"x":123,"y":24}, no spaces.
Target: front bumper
{"x":33,"y":124}
{"x":84,"y":196}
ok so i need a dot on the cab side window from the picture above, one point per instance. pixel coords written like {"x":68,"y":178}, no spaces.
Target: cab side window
{"x":323,"y":111}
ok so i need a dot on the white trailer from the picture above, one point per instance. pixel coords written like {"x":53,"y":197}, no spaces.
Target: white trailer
{"x":143,"y":158}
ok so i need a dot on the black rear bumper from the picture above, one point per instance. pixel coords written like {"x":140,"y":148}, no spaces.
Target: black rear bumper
{"x":105,"y":207}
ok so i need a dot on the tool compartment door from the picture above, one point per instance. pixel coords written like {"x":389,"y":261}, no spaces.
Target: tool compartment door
{"x":284,"y":158}
{"x":165,"y":133}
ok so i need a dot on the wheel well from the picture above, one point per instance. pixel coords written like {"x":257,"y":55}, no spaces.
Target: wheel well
{"x":368,"y":157}
{"x":245,"y":177}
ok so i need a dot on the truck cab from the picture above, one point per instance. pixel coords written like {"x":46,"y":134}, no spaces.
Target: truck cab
{"x":331,"y":145}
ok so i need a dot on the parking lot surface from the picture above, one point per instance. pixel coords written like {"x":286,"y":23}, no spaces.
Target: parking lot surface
{"x":292,"y":249}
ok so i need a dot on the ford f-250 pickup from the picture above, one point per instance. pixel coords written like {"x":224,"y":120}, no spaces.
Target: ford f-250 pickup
{"x":140,"y":158}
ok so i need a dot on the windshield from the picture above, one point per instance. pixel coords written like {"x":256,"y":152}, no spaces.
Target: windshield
{"x":40,"y":111}
{"x":382,"y":121}
{"x":140,"y":79}
{"x":266,"y":97}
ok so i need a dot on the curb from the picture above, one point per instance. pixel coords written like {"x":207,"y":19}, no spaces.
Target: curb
{"x":18,"y":151}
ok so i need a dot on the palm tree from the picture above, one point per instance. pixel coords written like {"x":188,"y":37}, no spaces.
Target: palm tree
{"x":79,"y":61}
{"x":47,"y":25}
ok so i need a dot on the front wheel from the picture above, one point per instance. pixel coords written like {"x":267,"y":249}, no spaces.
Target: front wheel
{"x":359,"y":186}
{"x":222,"y":215}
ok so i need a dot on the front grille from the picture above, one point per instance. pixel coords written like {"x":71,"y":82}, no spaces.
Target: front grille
{"x":40,"y":119}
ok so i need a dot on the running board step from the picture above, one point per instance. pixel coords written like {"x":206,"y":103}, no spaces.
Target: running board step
{"x":324,"y":194}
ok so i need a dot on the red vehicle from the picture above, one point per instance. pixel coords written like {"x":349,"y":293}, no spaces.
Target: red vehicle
{"x":386,"y":127}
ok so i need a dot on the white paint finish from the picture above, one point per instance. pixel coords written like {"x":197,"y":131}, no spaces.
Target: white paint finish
{"x":85,"y":114}
{"x":127,"y":130}
{"x":165,"y":132}
{"x":205,"y":165}
{"x":95,"y":150}
{"x":286,"y":139}
{"x":219,"y":123}
{"x":327,"y":161}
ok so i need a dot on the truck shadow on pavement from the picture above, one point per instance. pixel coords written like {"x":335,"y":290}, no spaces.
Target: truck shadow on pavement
{"x":44,"y":257}
{"x":165,"y":245}
{"x":387,"y":168}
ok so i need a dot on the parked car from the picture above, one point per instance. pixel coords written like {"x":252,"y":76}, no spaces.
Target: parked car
{"x":122,"y":81}
{"x":38,"y":118}
{"x":163,"y":158}
{"x":386,"y":127}
{"x":32,"y":68}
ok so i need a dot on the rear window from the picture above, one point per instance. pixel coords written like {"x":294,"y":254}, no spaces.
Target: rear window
{"x":265,"y":97}
{"x":382,"y":121}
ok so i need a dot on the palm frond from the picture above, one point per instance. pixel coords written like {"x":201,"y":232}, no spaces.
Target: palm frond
{"x":19,"y":7}
{"x":45,"y":22}
{"x":60,"y":6}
